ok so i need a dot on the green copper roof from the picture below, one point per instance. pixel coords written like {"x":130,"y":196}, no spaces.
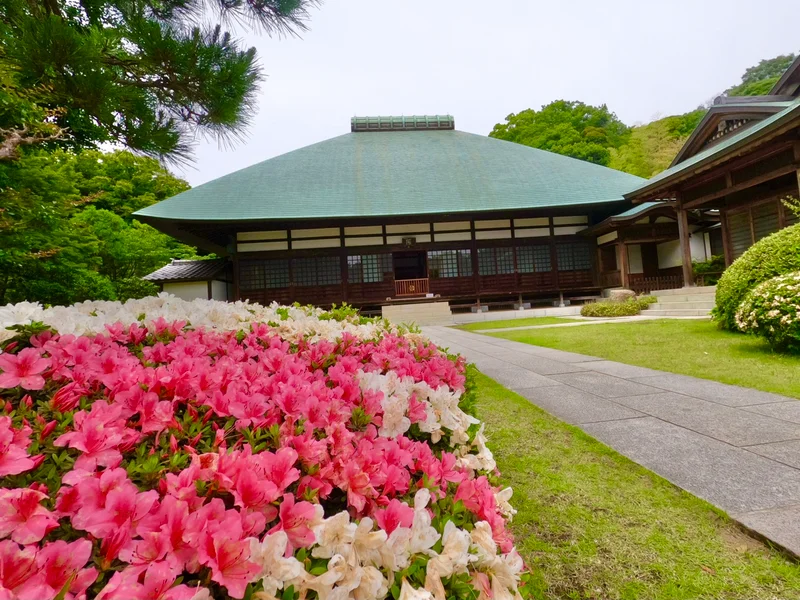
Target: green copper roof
{"x":394,"y":174}
{"x":639,"y":208}
{"x":728,"y":144}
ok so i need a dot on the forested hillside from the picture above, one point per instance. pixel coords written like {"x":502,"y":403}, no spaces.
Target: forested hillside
{"x":596,"y":134}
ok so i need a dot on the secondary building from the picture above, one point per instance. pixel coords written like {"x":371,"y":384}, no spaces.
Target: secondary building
{"x":737,"y":166}
{"x":399,"y":208}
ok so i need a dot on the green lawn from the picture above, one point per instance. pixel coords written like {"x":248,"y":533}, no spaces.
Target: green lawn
{"x":515,"y":323}
{"x":694,"y":348}
{"x":594,"y":525}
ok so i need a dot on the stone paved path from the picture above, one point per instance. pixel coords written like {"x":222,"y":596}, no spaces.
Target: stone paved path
{"x":737,"y":448}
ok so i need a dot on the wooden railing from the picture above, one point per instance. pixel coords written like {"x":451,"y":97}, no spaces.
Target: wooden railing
{"x":411,"y":287}
{"x":703,"y":279}
{"x":645,"y":285}
{"x":610,"y":279}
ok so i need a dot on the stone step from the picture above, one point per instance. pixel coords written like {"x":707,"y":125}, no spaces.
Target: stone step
{"x":682,"y":306}
{"x":690,"y":298}
{"x":706,"y":289}
{"x":675,"y":312}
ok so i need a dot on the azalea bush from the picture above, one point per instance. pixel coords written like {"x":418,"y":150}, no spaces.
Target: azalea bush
{"x":171,"y":450}
{"x":772,"y":311}
{"x":777,"y":254}
{"x":617,"y":308}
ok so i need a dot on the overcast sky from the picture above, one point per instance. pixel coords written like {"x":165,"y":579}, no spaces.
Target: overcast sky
{"x":480,"y":61}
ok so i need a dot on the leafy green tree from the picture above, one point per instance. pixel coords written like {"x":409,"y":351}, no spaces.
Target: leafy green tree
{"x":652,"y":147}
{"x":125,"y":250}
{"x":147,"y":74}
{"x":122,"y":182}
{"x":65,"y":228}
{"x":571,"y":128}
{"x":759,"y":80}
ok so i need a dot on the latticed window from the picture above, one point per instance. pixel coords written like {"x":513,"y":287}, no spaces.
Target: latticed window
{"x":533,"y":259}
{"x":449,"y":263}
{"x":319,"y":270}
{"x":765,"y":219}
{"x":368,"y":268}
{"x":574,"y":256}
{"x":495,"y":261}
{"x":251,"y":275}
{"x":264,"y":274}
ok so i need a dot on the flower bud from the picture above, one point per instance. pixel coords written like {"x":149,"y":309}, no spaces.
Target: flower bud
{"x":47,"y":430}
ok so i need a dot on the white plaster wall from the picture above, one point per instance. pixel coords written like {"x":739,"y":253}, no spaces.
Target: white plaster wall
{"x":697,"y":243}
{"x":669,"y":253}
{"x":188,"y":290}
{"x":219,"y":290}
{"x":635,"y":259}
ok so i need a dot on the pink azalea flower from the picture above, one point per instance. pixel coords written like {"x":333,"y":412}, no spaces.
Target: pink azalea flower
{"x":279,"y":467}
{"x":17,"y":566}
{"x":98,"y":435}
{"x":396,"y":514}
{"x":295,"y":521}
{"x":227,"y":554}
{"x":22,"y":517}
{"x":23,"y":369}
{"x":157,"y":585}
{"x":14,"y":457}
{"x":357,"y":484}
{"x":56,"y":563}
{"x":254,"y":493}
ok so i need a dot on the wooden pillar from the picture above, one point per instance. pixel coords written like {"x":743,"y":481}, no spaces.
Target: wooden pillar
{"x":476,"y":277}
{"x":726,"y":244}
{"x":236,"y":295}
{"x":624,"y":269}
{"x":796,"y":150}
{"x":686,"y":248}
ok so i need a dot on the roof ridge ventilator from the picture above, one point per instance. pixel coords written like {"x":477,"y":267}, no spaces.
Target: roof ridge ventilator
{"x":410,"y":123}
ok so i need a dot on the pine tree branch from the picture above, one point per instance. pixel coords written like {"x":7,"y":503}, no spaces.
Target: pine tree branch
{"x":12,"y":139}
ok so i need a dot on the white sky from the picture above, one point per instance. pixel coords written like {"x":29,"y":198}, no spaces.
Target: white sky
{"x":480,"y":61}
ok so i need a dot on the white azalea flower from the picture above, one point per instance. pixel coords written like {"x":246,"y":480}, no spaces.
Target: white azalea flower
{"x":453,"y":559}
{"x":409,"y":593}
{"x":373,"y":585}
{"x":423,"y":536}
{"x":324,"y":584}
{"x":335,"y":535}
{"x":395,"y":422}
{"x":367,"y":543}
{"x":502,"y":498}
{"x":277,"y":572}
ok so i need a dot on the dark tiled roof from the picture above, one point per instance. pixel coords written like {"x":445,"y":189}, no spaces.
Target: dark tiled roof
{"x":188,"y":270}
{"x":396,"y":173}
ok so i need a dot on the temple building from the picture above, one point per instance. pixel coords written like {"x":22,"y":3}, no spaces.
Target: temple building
{"x":402,"y":207}
{"x":409,"y":208}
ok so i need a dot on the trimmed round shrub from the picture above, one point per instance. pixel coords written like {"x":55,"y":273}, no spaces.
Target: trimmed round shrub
{"x":772,"y":311}
{"x":777,"y":254}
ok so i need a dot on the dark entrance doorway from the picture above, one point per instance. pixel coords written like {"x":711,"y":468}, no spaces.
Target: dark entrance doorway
{"x":649,"y":260}
{"x":409,"y":265}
